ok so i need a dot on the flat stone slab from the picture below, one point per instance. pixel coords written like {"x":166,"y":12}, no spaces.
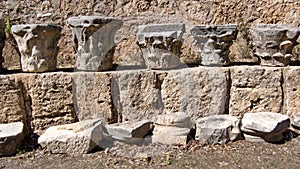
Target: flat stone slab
{"x":75,"y":138}
{"x":267,"y":125}
{"x":217,"y":129}
{"x":129,"y":130}
{"x":178,"y":119}
{"x":11,"y":136}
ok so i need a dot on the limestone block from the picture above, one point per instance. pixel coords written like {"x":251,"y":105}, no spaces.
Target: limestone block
{"x":129,"y":131}
{"x":217,"y":129}
{"x":37,"y":44}
{"x":51,"y":100}
{"x":161,"y":44}
{"x":11,"y":136}
{"x":274,"y":43}
{"x":77,"y":138}
{"x":92,"y":96}
{"x":199,"y":92}
{"x":295,"y":121}
{"x":93,"y":38}
{"x":172,"y":128}
{"x":2,"y":40}
{"x":12,"y":108}
{"x":255,"y":89}
{"x":266,"y":125}
{"x":136,"y":94}
{"x":213,"y":42}
{"x":291,"y":90}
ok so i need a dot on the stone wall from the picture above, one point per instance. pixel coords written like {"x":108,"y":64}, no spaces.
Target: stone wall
{"x":48,"y":99}
{"x":136,"y":12}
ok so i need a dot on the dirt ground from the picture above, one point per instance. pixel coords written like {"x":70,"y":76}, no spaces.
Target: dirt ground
{"x":240,"y":154}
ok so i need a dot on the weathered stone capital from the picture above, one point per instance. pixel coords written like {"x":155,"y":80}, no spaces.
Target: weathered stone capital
{"x":213,"y":42}
{"x":93,"y":38}
{"x":273,"y":44}
{"x":38,"y":46}
{"x":161,"y":44}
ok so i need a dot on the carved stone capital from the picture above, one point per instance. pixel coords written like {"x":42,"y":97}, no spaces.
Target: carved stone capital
{"x":37,"y":44}
{"x":161,"y":44}
{"x":213,"y":42}
{"x":93,"y":38}
{"x":273,"y":44}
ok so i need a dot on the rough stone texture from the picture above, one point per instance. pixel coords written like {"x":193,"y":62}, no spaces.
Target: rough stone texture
{"x":161,"y":44}
{"x":12,"y":107}
{"x":2,"y":40}
{"x":129,"y":131}
{"x":266,"y":125}
{"x":255,"y":89}
{"x":217,"y":129}
{"x":199,"y":92}
{"x":291,"y":90}
{"x":11,"y":136}
{"x":213,"y":42}
{"x":50,"y":99}
{"x":274,"y":44}
{"x":136,"y":94}
{"x":93,"y":97}
{"x":295,"y":122}
{"x":38,"y":46}
{"x":93,"y":38}
{"x":136,"y":12}
{"x":77,"y":138}
{"x":172,"y":128}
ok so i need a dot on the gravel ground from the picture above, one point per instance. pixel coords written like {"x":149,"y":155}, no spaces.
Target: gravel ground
{"x":240,"y":154}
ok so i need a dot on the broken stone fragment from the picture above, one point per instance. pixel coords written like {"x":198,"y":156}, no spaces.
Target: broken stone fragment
{"x":129,"y":131}
{"x":213,"y":42}
{"x":296,"y":121}
{"x":76,"y":138}
{"x":160,"y":44}
{"x":11,"y":136}
{"x":265,"y":125}
{"x":273,"y":44}
{"x":37,"y":44}
{"x":172,"y":128}
{"x":217,"y":129}
{"x":93,"y":39}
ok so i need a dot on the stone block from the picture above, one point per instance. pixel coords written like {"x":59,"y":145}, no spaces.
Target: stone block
{"x":172,"y":128}
{"x":291,"y":91}
{"x":93,"y":39}
{"x":11,"y":136}
{"x":266,"y":125}
{"x":136,"y":94}
{"x":2,"y":40}
{"x":213,"y":42}
{"x":51,"y":100}
{"x":255,"y":89}
{"x":161,"y":44}
{"x":92,"y":96}
{"x":274,"y":43}
{"x":12,"y":107}
{"x":199,"y":92}
{"x":129,"y":131}
{"x":37,"y":44}
{"x":218,"y":129}
{"x":77,"y":138}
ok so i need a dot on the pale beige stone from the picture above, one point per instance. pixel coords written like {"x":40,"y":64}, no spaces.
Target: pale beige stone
{"x":136,"y":94}
{"x":292,"y":91}
{"x":12,"y":108}
{"x":75,"y":138}
{"x":92,"y":96}
{"x":199,"y":92}
{"x":255,"y":89}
